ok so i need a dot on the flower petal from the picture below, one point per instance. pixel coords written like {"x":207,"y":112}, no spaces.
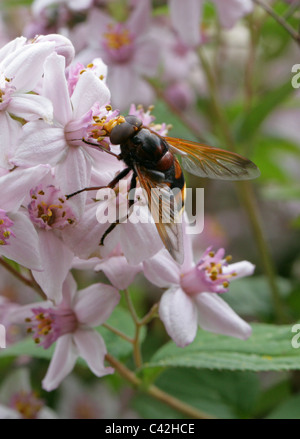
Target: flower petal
{"x":57,"y":261}
{"x":232,"y":10}
{"x":216,"y":316}
{"x":10,"y":131}
{"x":94,"y":304}
{"x":179,"y":316}
{"x":11,"y":47}
{"x":23,"y":248}
{"x":162,"y":270}
{"x":92,"y":348}
{"x":41,"y":143}
{"x":74,"y":173}
{"x":26,"y":65}
{"x":186,"y":20}
{"x":15,"y":185}
{"x":55,"y":88}
{"x":31,"y":107}
{"x":89,"y":90}
{"x":242,"y":269}
{"x":118,"y":271}
{"x":62,"y":363}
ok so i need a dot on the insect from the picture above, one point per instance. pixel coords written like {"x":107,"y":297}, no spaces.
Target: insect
{"x":152,"y":160}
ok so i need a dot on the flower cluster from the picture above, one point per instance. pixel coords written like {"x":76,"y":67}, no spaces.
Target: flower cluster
{"x":55,"y":116}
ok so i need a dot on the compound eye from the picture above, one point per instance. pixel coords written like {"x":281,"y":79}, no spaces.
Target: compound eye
{"x":121,"y":133}
{"x":133,"y":120}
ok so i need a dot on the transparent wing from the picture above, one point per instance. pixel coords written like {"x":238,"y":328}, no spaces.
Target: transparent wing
{"x":208,"y":162}
{"x":165,"y":207}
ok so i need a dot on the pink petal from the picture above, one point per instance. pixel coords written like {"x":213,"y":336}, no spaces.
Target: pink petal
{"x":63,"y":45}
{"x":23,"y":248}
{"x":40,"y":143}
{"x":8,"y":413}
{"x":11,"y":47}
{"x":84,"y":237}
{"x":162,"y":270}
{"x":57,"y":261}
{"x":146,"y":57}
{"x":179,"y":316}
{"x":62,"y":363}
{"x":10,"y":131}
{"x":31,"y":107}
{"x":214,"y":315}
{"x":55,"y":88}
{"x":242,"y":269}
{"x":139,"y":20}
{"x":15,"y":185}
{"x":232,"y":10}
{"x":139,"y":241}
{"x":118,"y":271}
{"x":89,"y":90}
{"x":26,"y":65}
{"x":94,"y":304}
{"x":122,"y":81}
{"x":74,"y":173}
{"x":69,"y":291}
{"x":186,"y":20}
{"x":92,"y":348}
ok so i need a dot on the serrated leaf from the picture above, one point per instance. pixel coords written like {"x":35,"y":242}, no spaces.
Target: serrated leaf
{"x":269,"y":348}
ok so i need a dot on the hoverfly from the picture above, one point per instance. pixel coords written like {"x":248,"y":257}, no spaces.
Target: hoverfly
{"x":152,"y":160}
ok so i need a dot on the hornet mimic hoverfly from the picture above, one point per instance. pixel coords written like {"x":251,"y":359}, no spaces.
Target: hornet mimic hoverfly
{"x":153,"y":163}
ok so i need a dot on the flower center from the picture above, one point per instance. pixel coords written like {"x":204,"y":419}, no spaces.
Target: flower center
{"x":209,"y":274}
{"x":5,"y":225}
{"x":27,"y":403}
{"x":6,"y":89}
{"x":118,"y":43}
{"x":49,"y":208}
{"x":47,"y":325}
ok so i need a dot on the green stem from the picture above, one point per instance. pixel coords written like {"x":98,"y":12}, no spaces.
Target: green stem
{"x":246,"y":193}
{"x":117,"y":332}
{"x":28,"y":282}
{"x":137,"y":355}
{"x":280,"y":20}
{"x":155,"y":392}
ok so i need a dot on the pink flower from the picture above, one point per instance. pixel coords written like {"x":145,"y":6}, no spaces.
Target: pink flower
{"x":186,"y":16}
{"x":71,"y":324}
{"x":50,"y":213}
{"x":192,"y":297}
{"x":19,"y":401}
{"x":114,"y":266}
{"x":60,"y":144}
{"x":128,"y":50}
{"x":18,"y":237}
{"x":21,"y":68}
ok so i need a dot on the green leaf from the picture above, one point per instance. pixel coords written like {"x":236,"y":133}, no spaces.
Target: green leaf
{"x":269,"y":348}
{"x":221,"y":394}
{"x":287,"y":410}
{"x":250,"y":122}
{"x":116,"y":346}
{"x":121,"y":320}
{"x":252,"y":297}
{"x":14,"y":3}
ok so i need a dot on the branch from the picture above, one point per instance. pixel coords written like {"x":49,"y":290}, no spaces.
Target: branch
{"x":155,"y":392}
{"x":280,"y":20}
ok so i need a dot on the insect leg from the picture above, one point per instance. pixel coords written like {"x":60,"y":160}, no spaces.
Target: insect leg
{"x":111,"y":185}
{"x":130,"y":204}
{"x":97,"y":146}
